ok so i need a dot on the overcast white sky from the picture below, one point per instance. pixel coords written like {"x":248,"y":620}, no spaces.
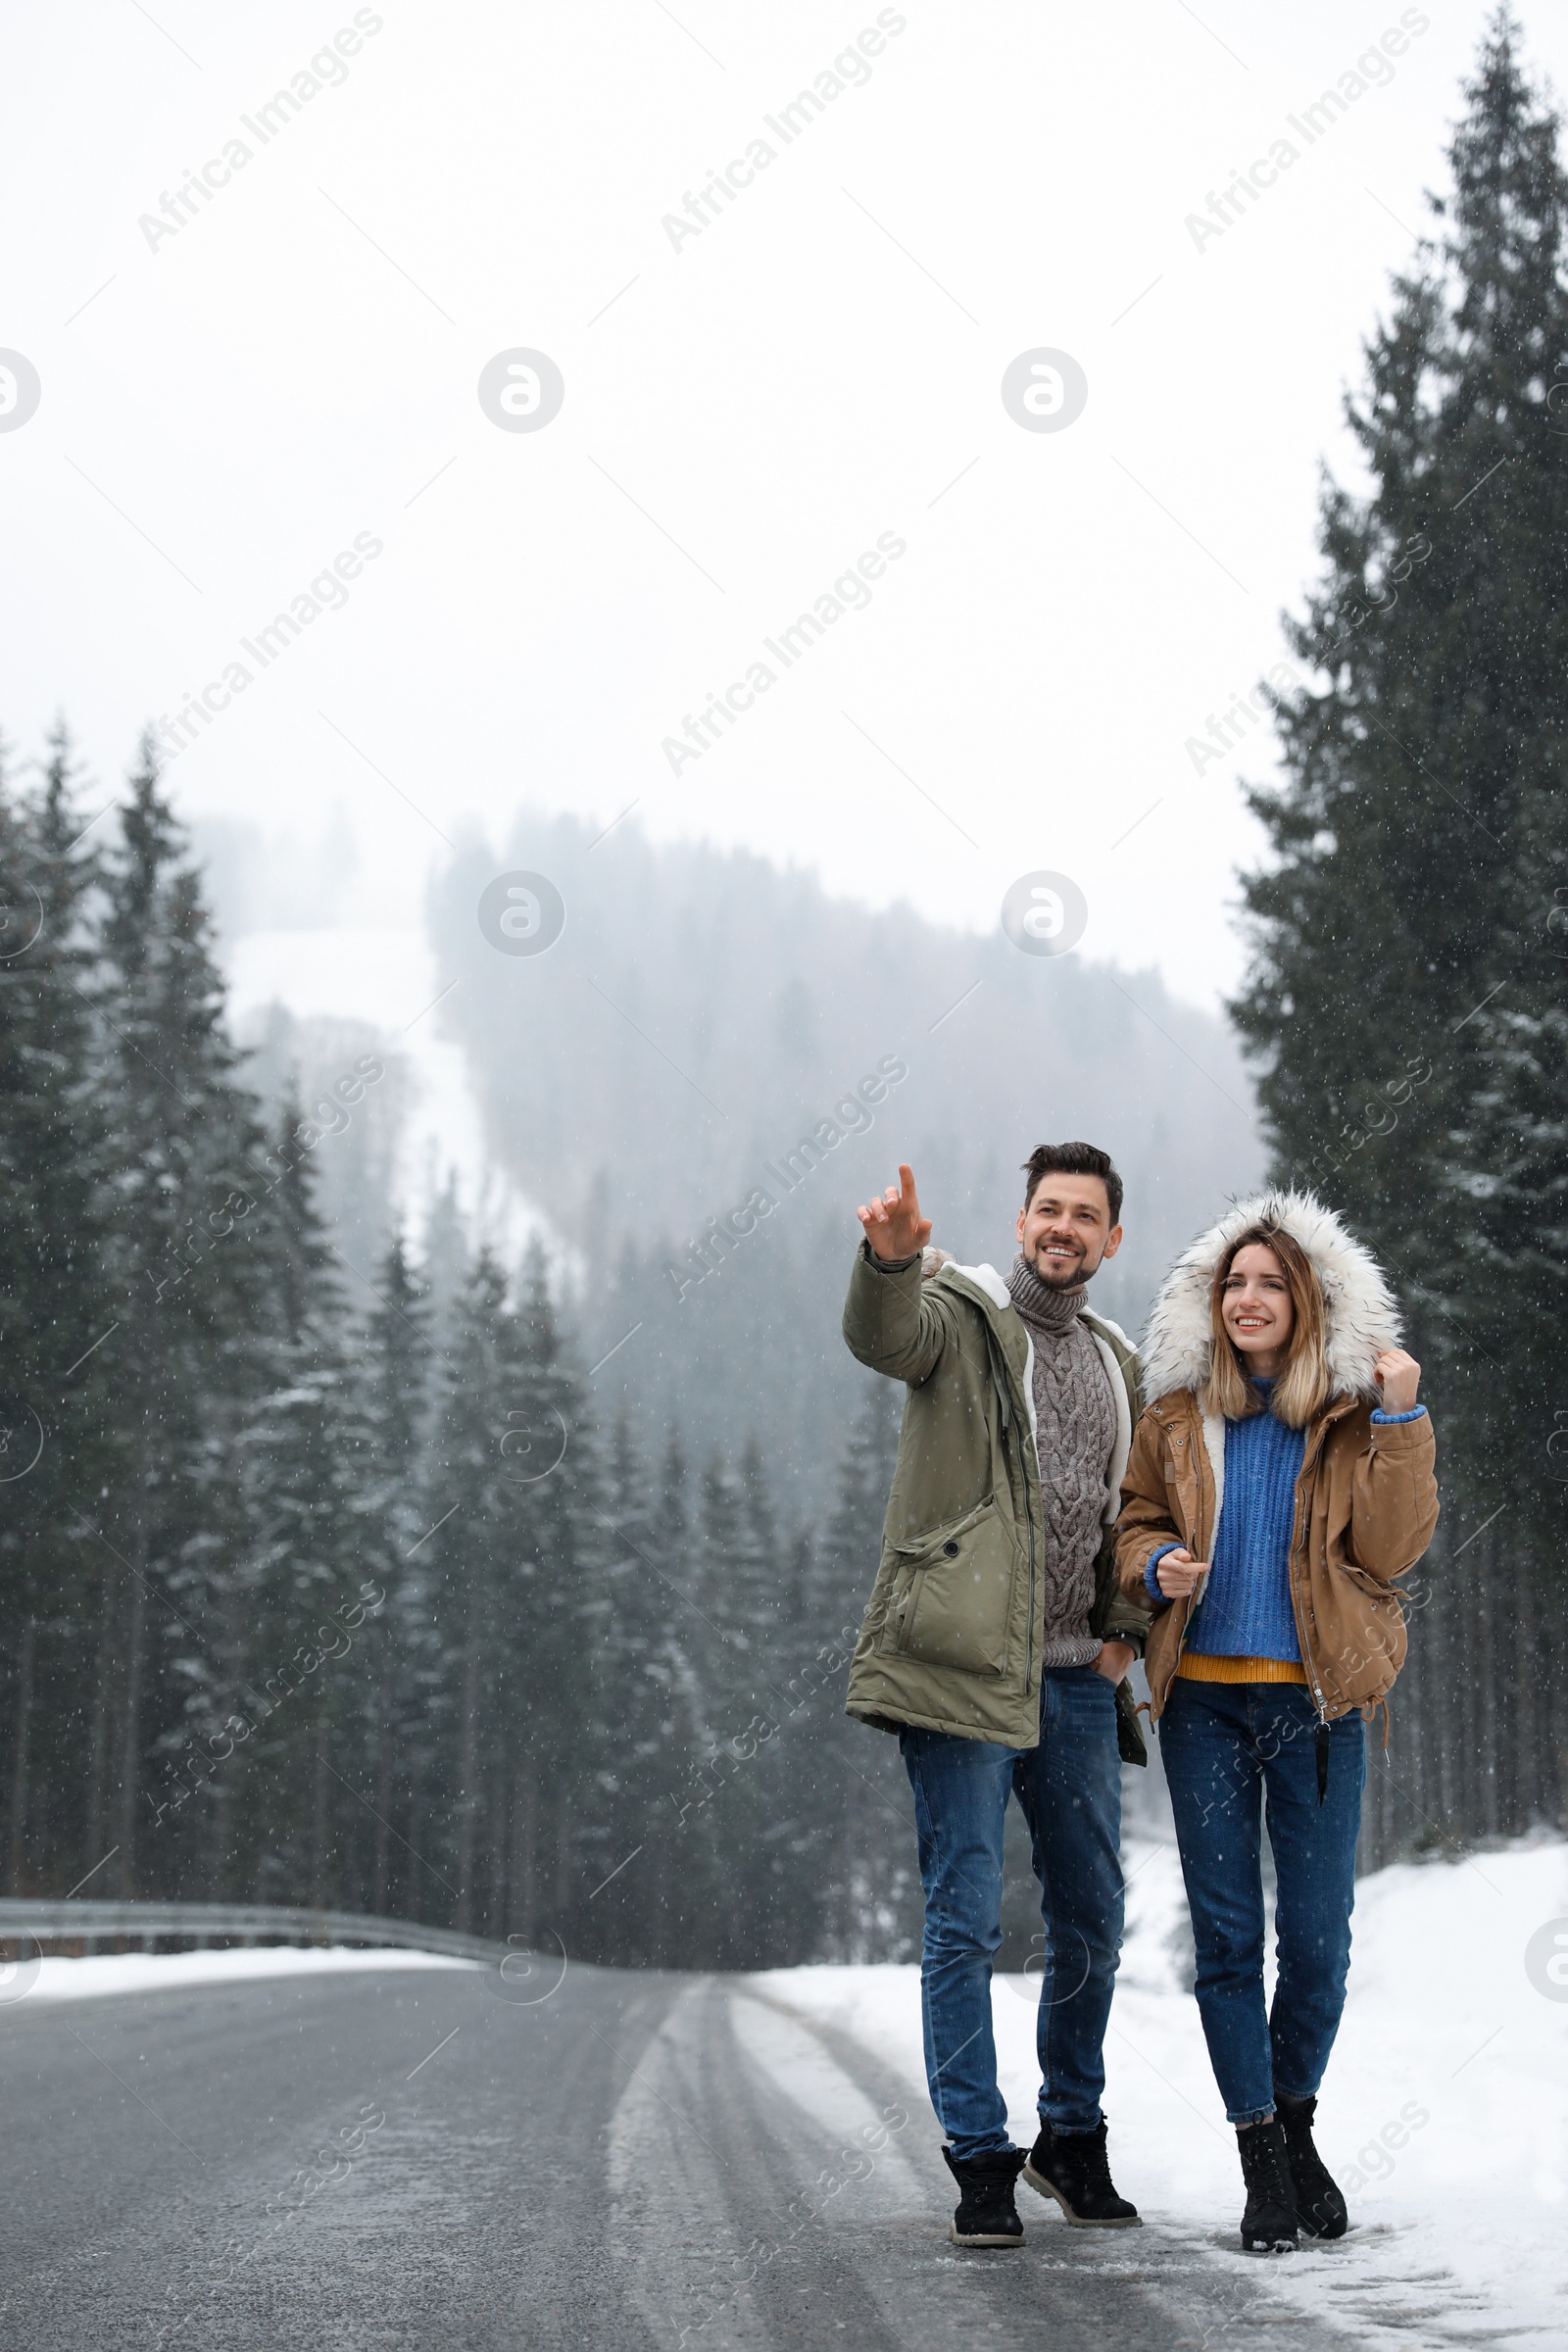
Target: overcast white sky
{"x":222,"y":415}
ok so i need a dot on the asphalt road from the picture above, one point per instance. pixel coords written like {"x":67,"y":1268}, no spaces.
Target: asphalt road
{"x":337,"y":2164}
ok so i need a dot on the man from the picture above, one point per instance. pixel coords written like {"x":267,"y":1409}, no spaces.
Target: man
{"x":995,"y":1644}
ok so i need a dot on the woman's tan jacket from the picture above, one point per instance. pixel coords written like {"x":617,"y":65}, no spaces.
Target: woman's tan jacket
{"x":1366,"y":1502}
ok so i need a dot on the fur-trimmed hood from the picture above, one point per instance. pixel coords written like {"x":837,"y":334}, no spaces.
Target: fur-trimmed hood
{"x":1360,"y":1315}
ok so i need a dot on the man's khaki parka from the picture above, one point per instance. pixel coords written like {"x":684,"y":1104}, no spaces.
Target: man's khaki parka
{"x":952,"y":1634}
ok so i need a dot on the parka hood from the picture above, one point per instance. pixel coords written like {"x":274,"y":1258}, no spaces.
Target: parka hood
{"x":1360,"y":1315}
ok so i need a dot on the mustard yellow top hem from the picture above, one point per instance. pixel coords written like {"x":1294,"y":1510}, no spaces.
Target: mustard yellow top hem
{"x":1195,"y":1667}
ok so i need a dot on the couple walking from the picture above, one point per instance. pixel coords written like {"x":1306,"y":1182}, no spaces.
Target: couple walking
{"x":1232,"y":1504}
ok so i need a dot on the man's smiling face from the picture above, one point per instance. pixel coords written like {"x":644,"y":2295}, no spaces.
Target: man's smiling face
{"x":1066,"y":1231}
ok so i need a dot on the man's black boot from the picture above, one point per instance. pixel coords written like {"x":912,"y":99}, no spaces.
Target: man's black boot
{"x":1319,"y":2205}
{"x":1268,"y":2225}
{"x":986,"y":2214}
{"x":1072,"y":2166}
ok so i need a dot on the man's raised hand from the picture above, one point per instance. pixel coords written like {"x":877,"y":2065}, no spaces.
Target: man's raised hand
{"x":893,"y":1225}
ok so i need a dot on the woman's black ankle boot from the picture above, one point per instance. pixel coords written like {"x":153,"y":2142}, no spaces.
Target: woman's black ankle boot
{"x":1320,"y":2207}
{"x":1268,"y":2225}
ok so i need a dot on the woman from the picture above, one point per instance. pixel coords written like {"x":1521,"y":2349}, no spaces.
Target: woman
{"x":1269,"y":1500}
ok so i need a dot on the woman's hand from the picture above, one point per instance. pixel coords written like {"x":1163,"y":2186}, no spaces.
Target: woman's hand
{"x":1399,"y":1376}
{"x":1178,"y":1572}
{"x":1115,"y":1660}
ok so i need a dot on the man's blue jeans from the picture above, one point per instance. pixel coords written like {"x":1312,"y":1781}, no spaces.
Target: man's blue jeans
{"x":1226,"y":1747}
{"x":1071,"y":1790}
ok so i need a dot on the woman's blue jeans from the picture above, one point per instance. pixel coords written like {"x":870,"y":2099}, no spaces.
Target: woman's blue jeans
{"x":1069,"y":1788}
{"x":1236,"y":1752}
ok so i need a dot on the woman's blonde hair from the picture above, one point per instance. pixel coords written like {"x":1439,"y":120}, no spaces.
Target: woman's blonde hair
{"x":1303,"y":1387}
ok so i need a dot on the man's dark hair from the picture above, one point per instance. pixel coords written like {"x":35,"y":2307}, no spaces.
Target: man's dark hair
{"x":1073,"y":1160}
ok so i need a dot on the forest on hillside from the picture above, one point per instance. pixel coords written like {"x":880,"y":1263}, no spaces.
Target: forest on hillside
{"x":367,"y":1603}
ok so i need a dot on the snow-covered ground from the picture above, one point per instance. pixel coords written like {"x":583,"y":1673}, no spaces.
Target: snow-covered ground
{"x":51,"y":1980}
{"x":1445,"y":2115}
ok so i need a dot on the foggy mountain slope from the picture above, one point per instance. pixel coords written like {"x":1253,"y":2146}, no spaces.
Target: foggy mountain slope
{"x":701,"y":1015}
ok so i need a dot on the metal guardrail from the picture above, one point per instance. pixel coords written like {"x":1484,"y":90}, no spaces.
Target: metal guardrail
{"x":94,"y":1923}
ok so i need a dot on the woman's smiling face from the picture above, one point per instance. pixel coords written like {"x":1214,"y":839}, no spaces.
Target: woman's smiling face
{"x":1257,"y":1310}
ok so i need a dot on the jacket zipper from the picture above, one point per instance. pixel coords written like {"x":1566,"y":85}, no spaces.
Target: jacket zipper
{"x":1301,"y":1642}
{"x":1198,"y":1523}
{"x":1320,"y":1734}
{"x":1029,"y":1514}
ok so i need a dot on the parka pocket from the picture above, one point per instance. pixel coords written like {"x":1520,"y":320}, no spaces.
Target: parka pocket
{"x":952,"y":1600}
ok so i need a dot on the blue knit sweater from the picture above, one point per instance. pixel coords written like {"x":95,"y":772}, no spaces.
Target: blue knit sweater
{"x":1246,"y":1610}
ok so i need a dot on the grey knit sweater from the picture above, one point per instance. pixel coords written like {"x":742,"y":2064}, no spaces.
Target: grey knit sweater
{"x":1076,"y":1416}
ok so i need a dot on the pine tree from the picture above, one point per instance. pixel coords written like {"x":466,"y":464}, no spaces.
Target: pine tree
{"x":444,"y":1254}
{"x":864,"y":1863}
{"x":295,"y":1455}
{"x":393,"y":1379}
{"x":675,"y":1670}
{"x":631,"y":1725}
{"x":723,"y":1810}
{"x":556,"y":1493}
{"x":180,"y":1285}
{"x":472,"y":1575}
{"x":52,"y":1165}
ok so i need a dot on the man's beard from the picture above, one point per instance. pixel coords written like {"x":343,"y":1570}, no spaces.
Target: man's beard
{"x":1062,"y":1277}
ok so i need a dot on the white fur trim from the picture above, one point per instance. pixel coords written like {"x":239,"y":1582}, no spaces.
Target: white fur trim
{"x":989,"y":1280}
{"x":1214,"y":1448}
{"x":1029,"y":1391}
{"x":1122,"y":1444}
{"x":1361,"y":1317}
